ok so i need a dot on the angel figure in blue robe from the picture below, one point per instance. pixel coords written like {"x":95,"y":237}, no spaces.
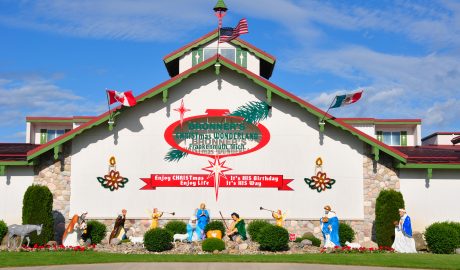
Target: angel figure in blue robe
{"x":202,"y":215}
{"x":404,"y":242}
{"x":330,"y":228}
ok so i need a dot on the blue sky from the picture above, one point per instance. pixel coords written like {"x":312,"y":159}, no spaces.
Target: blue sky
{"x":57,"y":57}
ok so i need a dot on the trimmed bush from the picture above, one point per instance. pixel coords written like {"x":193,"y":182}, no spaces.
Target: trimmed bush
{"x":96,"y":231}
{"x":346,"y":233}
{"x":37,"y":209}
{"x":387,"y":208}
{"x":211,"y":244}
{"x":441,"y":238}
{"x":274,"y":238}
{"x":254,"y":228}
{"x":158,"y":240}
{"x":176,"y":226}
{"x":456,"y":227}
{"x":3,"y":230}
{"x":314,"y":240}
{"x":215,"y":225}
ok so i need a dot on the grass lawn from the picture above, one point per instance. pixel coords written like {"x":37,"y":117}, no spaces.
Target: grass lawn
{"x":433,"y":261}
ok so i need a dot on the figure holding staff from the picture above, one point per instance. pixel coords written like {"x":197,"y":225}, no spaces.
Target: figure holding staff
{"x":237,"y":229}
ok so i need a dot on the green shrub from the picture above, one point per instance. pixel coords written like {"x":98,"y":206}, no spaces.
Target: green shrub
{"x":441,"y":238}
{"x":456,"y":227}
{"x":96,"y":231}
{"x":37,"y":209}
{"x":346,"y":233}
{"x":215,"y":225}
{"x":254,"y":228}
{"x":3,"y":230}
{"x":176,"y":226}
{"x":314,"y":240}
{"x":298,"y":240}
{"x":387,"y":208}
{"x":158,"y":240}
{"x":211,"y":244}
{"x":274,"y":238}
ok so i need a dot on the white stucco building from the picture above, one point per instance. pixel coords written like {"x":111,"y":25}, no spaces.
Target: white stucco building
{"x":170,"y":160}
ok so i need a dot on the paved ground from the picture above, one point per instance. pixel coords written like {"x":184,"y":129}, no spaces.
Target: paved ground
{"x":203,"y":266}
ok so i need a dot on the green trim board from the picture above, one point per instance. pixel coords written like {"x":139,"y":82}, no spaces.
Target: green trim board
{"x":232,"y":66}
{"x":441,"y":166}
{"x":73,"y":120}
{"x":382,"y":122}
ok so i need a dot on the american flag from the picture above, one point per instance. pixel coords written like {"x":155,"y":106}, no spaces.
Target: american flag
{"x":228,"y":33}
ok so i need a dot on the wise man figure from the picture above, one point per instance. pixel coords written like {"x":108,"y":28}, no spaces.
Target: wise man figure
{"x":330,"y":228}
{"x":202,"y":215}
{"x":404,"y":242}
{"x":279,"y":217}
{"x":119,"y":230}
{"x":156,"y":215}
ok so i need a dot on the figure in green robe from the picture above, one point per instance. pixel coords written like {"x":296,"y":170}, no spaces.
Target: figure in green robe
{"x":237,"y":228}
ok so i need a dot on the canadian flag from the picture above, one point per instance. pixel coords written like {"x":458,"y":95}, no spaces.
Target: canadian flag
{"x":125,"y":98}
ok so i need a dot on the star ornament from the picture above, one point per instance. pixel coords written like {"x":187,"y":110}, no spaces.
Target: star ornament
{"x":216,"y":169}
{"x":320,"y":182}
{"x":182,"y":110}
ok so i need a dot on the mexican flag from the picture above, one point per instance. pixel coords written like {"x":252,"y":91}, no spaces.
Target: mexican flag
{"x":347,"y":99}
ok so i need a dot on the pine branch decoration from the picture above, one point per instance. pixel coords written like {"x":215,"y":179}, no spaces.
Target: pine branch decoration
{"x":252,"y":112}
{"x":175,"y":155}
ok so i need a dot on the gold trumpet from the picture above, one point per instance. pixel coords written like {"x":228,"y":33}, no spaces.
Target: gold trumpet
{"x":261,"y":208}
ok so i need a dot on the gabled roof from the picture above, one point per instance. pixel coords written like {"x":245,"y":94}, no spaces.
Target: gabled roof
{"x":267,"y":61}
{"x":270,"y":87}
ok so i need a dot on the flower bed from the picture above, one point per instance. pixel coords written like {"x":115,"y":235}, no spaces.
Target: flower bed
{"x":347,"y":249}
{"x":56,"y":248}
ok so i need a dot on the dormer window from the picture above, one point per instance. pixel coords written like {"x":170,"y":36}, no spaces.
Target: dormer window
{"x":229,"y":53}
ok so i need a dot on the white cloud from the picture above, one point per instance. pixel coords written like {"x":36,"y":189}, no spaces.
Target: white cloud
{"x":113,"y":19}
{"x":39,"y":97}
{"x":444,"y":114}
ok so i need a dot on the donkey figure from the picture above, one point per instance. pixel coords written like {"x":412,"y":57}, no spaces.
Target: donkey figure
{"x":22,"y":231}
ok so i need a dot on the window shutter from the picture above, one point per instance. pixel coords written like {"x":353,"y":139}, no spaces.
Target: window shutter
{"x":242,"y":57}
{"x":197,"y":56}
{"x":403,"y":138}
{"x":379,"y":135}
{"x":238,"y":56}
{"x":43,"y":136}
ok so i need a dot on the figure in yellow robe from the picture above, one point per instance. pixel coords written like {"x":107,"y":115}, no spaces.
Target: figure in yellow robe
{"x":155,"y":217}
{"x":279,"y":217}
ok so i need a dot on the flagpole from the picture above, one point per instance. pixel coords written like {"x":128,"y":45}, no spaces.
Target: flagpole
{"x":108,"y":105}
{"x":324,"y":115}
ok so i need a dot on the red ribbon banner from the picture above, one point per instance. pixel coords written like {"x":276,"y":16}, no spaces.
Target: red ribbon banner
{"x":229,"y":181}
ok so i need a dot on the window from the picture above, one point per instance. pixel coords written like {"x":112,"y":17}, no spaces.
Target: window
{"x":54,"y":133}
{"x":392,"y":138}
{"x":229,"y":53}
